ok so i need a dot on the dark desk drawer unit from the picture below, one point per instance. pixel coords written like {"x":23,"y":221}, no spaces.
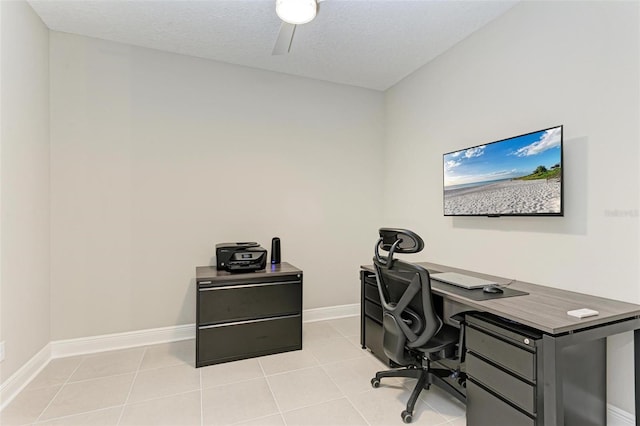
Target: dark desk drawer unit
{"x":371,"y":316}
{"x":506,"y":385}
{"x":507,"y":355}
{"x":244,"y":315}
{"x":371,"y":291}
{"x":373,"y":310}
{"x":507,"y":379}
{"x":502,"y":368}
{"x":373,"y":337}
{"x":484,"y":408}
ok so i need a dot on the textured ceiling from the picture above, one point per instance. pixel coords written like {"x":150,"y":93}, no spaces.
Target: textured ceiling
{"x":366,"y":43}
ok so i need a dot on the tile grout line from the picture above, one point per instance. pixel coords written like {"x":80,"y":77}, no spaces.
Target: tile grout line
{"x":403,"y":385}
{"x":103,"y":377}
{"x":164,"y":366}
{"x":302,"y":407}
{"x":61,"y":387}
{"x":357,"y":410}
{"x":133,"y":382}
{"x":407,"y":385}
{"x":322,"y":366}
{"x":155,"y":398}
{"x":66,"y":416}
{"x":266,"y":379}
{"x":344,"y":394}
{"x":280,"y":373}
{"x":98,"y":377}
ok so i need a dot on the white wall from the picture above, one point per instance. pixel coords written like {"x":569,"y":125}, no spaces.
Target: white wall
{"x":148,"y":149}
{"x":24,"y":186}
{"x":157,"y":157}
{"x":539,"y":65}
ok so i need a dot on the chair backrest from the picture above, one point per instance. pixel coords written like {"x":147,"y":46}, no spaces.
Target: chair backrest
{"x":409,"y":317}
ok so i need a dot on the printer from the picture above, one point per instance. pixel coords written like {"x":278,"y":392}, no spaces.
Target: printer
{"x":240,"y":257}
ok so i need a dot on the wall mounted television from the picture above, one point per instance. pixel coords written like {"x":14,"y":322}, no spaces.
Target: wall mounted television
{"x":518,"y":176}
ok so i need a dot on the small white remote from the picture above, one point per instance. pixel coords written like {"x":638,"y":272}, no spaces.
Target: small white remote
{"x":582,"y":313}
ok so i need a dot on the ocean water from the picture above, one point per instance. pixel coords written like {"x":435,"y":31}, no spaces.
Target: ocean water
{"x":474,"y":184}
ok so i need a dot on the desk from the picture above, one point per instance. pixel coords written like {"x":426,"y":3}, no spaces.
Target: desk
{"x":543,"y":309}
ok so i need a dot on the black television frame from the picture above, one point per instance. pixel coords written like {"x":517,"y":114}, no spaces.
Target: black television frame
{"x":542,"y":214}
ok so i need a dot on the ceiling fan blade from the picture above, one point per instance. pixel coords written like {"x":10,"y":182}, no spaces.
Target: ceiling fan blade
{"x":285,"y":37}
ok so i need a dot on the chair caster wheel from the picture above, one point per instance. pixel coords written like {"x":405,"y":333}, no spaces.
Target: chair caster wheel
{"x":375,"y":382}
{"x":406,"y":417}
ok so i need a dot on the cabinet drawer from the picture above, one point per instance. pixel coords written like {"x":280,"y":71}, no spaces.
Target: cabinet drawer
{"x":246,"y":339}
{"x":511,"y":357}
{"x":371,"y":293}
{"x":248,"y":301}
{"x":370,"y":279}
{"x":373,"y":310}
{"x":502,"y":383}
{"x":373,"y":339}
{"x":485,"y":409}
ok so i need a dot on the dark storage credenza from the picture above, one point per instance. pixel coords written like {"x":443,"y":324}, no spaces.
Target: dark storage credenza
{"x":244,"y":315}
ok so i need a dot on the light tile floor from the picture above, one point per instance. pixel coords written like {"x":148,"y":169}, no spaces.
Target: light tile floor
{"x":326,"y":383}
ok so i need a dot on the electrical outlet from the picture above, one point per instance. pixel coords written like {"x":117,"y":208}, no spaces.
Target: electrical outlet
{"x":1,"y":351}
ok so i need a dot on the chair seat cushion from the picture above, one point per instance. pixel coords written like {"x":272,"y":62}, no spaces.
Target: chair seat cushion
{"x":447,"y":336}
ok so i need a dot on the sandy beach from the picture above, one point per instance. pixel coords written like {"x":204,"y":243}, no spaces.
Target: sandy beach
{"x":508,"y":197}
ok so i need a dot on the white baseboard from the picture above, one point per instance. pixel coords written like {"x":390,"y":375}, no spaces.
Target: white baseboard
{"x":108,"y":342}
{"x":330,"y":312}
{"x":21,"y":378}
{"x":131,"y":339}
{"x":619,"y":417}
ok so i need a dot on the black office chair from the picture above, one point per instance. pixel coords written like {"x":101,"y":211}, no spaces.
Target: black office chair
{"x":413,"y":334}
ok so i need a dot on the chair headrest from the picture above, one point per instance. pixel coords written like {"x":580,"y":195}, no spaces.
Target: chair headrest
{"x":409,"y":242}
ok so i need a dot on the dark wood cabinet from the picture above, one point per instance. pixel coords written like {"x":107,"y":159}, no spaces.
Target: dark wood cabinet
{"x":244,"y":315}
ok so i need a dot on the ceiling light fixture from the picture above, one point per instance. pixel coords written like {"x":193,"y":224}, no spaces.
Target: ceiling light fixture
{"x":296,"y":11}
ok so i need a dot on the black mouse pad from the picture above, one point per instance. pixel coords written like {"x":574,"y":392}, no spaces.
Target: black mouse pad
{"x":476,"y":293}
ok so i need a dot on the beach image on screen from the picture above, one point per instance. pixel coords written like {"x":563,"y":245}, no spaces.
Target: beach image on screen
{"x":517,"y":176}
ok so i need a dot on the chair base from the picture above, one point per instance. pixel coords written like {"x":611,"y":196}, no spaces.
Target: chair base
{"x":425,"y":376}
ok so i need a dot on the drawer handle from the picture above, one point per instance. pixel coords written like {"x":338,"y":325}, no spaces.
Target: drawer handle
{"x":226,"y":324}
{"x":231,"y":287}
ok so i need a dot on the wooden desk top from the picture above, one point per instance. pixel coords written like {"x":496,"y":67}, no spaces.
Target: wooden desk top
{"x":544,"y":308}
{"x":211,"y":273}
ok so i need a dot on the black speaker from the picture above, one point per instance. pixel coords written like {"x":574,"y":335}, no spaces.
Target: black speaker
{"x":275,"y":250}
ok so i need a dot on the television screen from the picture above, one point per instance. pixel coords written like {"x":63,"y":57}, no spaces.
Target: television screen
{"x":519,"y":176}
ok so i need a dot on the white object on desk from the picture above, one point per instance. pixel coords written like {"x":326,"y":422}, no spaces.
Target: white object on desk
{"x":582,"y":313}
